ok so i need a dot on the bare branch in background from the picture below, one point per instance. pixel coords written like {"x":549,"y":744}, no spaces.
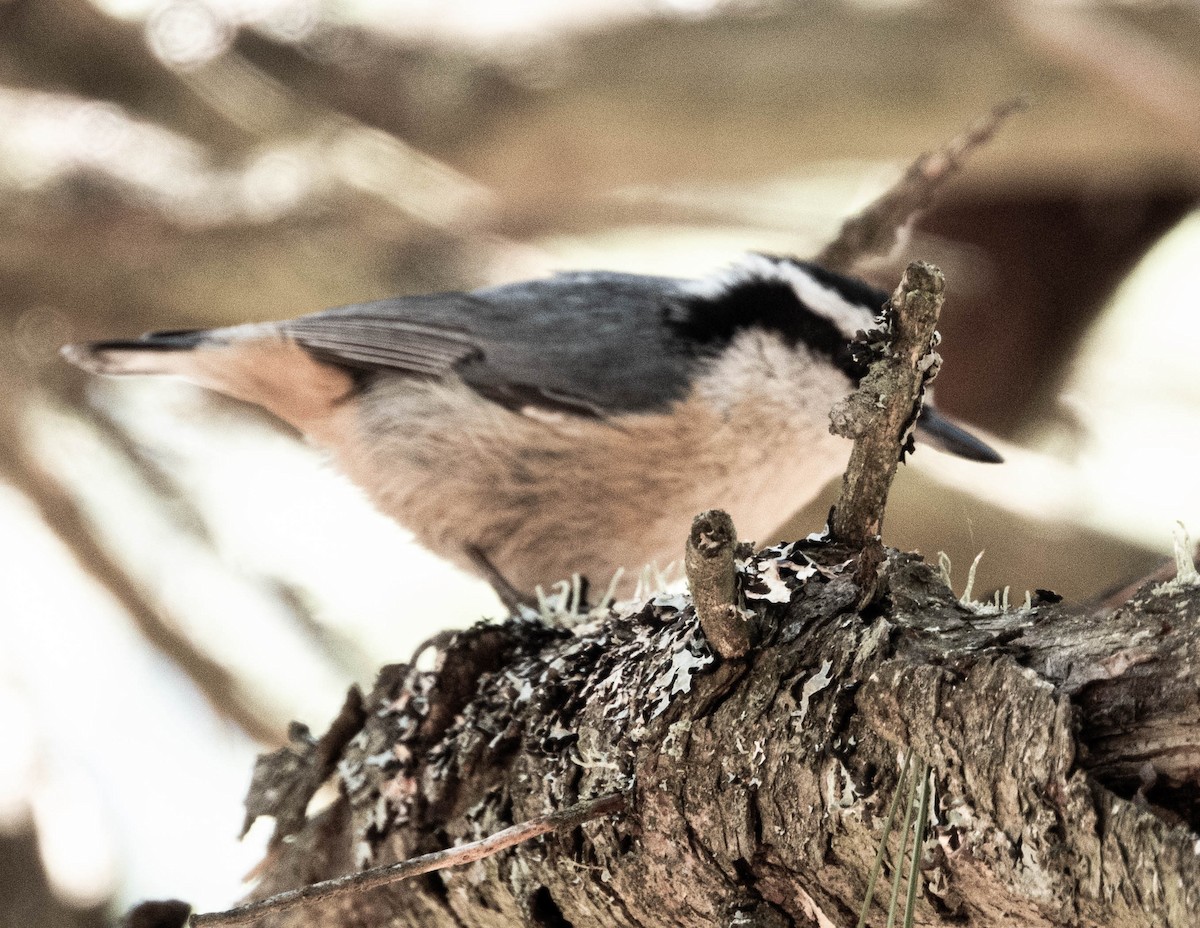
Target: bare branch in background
{"x":157,"y":479}
{"x":876,"y":230}
{"x":367,"y":159}
{"x":173,"y":498}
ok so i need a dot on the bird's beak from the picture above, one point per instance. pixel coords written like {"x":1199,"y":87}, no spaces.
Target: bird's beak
{"x":936,"y":430}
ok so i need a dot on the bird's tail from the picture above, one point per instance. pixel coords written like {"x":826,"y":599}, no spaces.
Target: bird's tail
{"x":255,"y":363}
{"x":153,"y":353}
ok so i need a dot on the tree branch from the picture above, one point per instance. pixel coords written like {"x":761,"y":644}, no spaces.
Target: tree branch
{"x":761,"y":787}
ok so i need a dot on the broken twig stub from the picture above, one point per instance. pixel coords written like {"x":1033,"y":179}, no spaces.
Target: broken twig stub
{"x":881,"y":414}
{"x":712,"y":578}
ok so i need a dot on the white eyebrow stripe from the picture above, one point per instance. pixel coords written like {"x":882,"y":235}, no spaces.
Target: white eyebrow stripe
{"x":849,"y":317}
{"x":824,"y":301}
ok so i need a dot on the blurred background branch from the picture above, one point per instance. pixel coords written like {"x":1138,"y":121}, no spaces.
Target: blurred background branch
{"x":181,"y":576}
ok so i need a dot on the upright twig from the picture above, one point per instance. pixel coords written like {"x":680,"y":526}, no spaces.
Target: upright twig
{"x":881,"y":414}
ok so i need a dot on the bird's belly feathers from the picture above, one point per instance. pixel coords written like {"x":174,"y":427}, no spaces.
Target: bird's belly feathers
{"x":545,"y":499}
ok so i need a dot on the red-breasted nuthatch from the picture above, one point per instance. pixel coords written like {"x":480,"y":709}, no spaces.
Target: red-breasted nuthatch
{"x":569,"y":425}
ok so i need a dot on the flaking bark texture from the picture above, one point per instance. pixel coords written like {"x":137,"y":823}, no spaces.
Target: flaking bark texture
{"x":757,"y":788}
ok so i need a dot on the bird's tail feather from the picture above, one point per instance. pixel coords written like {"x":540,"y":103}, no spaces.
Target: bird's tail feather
{"x":153,"y":353}
{"x":255,"y":363}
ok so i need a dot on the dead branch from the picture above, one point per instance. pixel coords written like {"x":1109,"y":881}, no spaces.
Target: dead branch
{"x":760,"y":788}
{"x":468,"y":853}
{"x":754,"y":790}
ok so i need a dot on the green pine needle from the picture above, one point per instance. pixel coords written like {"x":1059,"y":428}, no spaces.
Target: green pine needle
{"x":898,"y":863}
{"x":883,"y":841}
{"x":914,"y":872}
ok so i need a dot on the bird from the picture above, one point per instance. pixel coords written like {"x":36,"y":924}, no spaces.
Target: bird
{"x":568,"y":425}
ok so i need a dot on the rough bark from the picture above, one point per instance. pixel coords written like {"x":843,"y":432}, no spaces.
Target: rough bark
{"x":757,"y":788}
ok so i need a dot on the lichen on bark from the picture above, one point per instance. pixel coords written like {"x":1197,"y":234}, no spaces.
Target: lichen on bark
{"x":757,"y":788}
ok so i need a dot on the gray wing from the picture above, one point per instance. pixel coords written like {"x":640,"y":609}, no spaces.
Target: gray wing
{"x":377,"y":336}
{"x":589,"y":343}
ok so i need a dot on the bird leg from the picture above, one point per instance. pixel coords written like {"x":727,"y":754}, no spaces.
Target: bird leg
{"x":512,"y":598}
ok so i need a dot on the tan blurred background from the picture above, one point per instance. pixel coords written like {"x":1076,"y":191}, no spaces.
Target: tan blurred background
{"x":179,"y":576}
